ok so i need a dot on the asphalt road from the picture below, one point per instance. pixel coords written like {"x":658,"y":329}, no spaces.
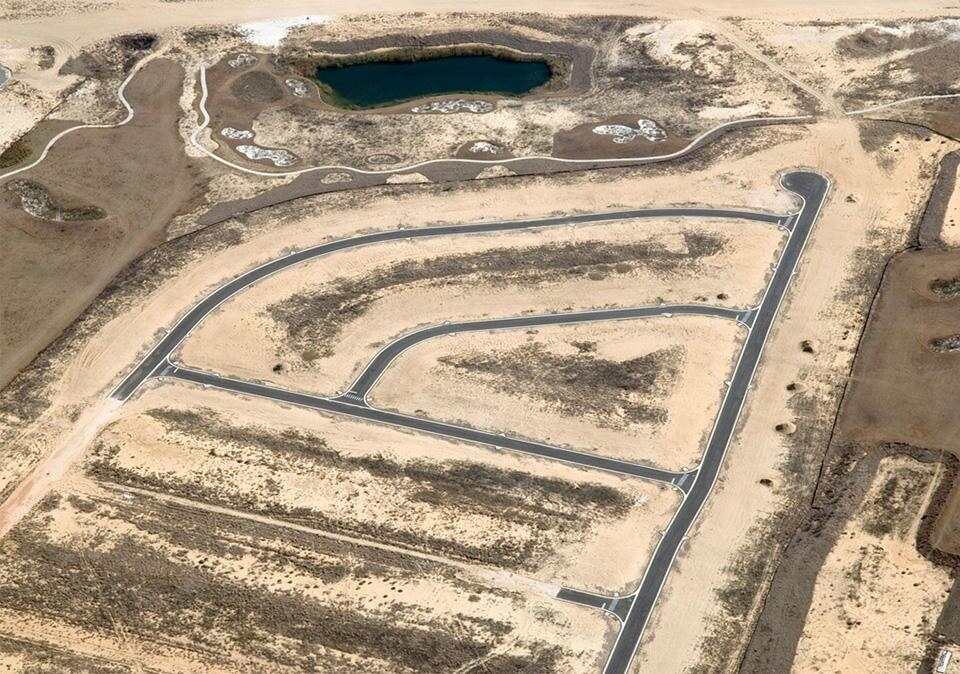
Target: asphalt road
{"x":813,"y":188}
{"x":371,"y":374}
{"x":165,"y":347}
{"x":618,"y":606}
{"x":359,"y":410}
{"x":696,"y":484}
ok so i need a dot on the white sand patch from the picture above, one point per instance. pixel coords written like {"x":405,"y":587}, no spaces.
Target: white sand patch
{"x":485,"y":147}
{"x":458,"y":105}
{"x":279,"y":157}
{"x":407,"y":179}
{"x":495,"y":172}
{"x":297,"y":87}
{"x":641,"y":30}
{"x":745,"y":110}
{"x":946,"y":27}
{"x":622,"y":133}
{"x":236,"y":134}
{"x":662,"y":43}
{"x":242,"y":61}
{"x":269,"y":33}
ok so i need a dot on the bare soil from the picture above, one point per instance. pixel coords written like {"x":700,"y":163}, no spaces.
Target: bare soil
{"x":119,"y":171}
{"x":131,"y":581}
{"x":655,"y":402}
{"x":877,"y":598}
{"x":833,"y":581}
{"x":378,"y":484}
{"x":902,"y":389}
{"x":612,"y":391}
{"x":314,"y":319}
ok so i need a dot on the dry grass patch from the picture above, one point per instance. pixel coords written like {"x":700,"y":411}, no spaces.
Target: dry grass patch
{"x":644,"y":389}
{"x":876,"y":600}
{"x":130,"y":581}
{"x":375,"y":483}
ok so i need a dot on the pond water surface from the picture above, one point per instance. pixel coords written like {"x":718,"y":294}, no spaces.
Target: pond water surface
{"x":369,"y":85}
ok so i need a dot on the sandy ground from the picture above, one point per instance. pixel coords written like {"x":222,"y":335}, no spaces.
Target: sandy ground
{"x":240,"y":573}
{"x":242,"y":340}
{"x":848,"y":232}
{"x":857,"y":63}
{"x":877,"y":600}
{"x":690,"y":396}
{"x":78,"y":22}
{"x":866,"y":218}
{"x":597,"y":553}
{"x":686,"y":628}
{"x":95,"y":364}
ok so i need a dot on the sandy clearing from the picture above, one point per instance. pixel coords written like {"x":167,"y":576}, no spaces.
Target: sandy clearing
{"x":89,"y":525}
{"x":843,"y":238}
{"x":691,"y":397}
{"x":821,"y":54}
{"x":241,"y":340}
{"x":79,"y":23}
{"x":589,"y":556}
{"x":60,"y":457}
{"x":728,"y":527}
{"x":877,"y":600}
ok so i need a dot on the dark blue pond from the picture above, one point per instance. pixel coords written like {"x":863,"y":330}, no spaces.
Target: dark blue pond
{"x":368,"y":85}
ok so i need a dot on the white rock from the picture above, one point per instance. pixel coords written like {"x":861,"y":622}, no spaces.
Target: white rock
{"x":242,"y":60}
{"x":458,"y":105}
{"x":298,"y":87}
{"x":483,"y":147}
{"x":624,"y":134}
{"x":279,"y":157}
{"x":236,"y":134}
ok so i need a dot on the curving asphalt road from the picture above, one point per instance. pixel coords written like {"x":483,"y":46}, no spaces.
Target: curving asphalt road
{"x":813,"y":188}
{"x":372,"y":373}
{"x":358,"y":409}
{"x":634,"y":610}
{"x":178,"y":333}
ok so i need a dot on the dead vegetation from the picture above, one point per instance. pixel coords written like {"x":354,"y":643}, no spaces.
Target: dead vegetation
{"x":881,"y":40}
{"x":111,"y":59}
{"x":145,"y":573}
{"x":314,"y":318}
{"x":891,"y":507}
{"x":36,"y":200}
{"x":919,"y":73}
{"x":552,"y":510}
{"x":947,"y":288}
{"x":613,"y":393}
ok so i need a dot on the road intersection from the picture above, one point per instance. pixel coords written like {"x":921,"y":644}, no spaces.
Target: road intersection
{"x":633,"y":610}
